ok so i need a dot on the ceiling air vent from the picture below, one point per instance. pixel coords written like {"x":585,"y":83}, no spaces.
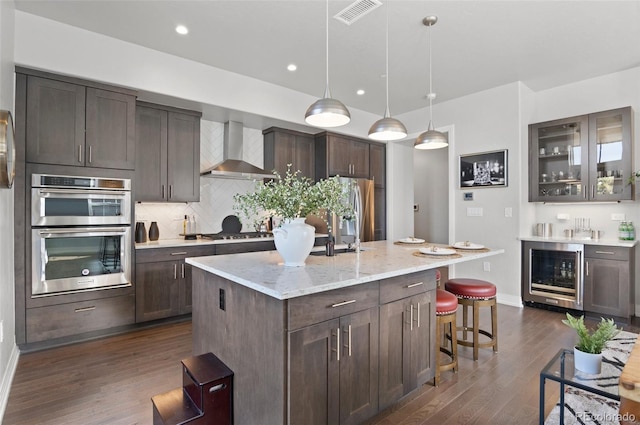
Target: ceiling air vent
{"x":357,"y":10}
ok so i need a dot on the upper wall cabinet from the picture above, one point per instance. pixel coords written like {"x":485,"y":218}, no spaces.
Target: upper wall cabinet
{"x":283,"y":147}
{"x":341,"y":155}
{"x":585,"y":158}
{"x":168,"y":160}
{"x":70,"y":123}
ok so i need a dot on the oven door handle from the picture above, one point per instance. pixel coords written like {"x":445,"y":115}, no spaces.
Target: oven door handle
{"x":83,"y":231}
{"x":79,"y":193}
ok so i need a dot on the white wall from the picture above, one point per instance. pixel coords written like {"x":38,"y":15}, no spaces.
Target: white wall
{"x":8,"y":348}
{"x":431,"y":194}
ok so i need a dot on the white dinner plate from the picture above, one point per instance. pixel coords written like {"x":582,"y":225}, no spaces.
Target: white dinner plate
{"x":467,"y":245}
{"x":411,"y":240}
{"x":433,"y":250}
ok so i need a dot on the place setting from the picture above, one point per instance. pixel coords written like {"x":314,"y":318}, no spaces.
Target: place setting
{"x":435,"y":251}
{"x":410,"y":241}
{"x":469,"y":246}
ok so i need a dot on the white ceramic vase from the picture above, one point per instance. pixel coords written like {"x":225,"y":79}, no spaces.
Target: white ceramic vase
{"x":587,"y":362}
{"x":294,"y":241}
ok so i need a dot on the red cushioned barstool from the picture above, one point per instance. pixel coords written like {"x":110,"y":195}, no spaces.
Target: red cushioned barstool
{"x":475,"y":293}
{"x":446,"y":306}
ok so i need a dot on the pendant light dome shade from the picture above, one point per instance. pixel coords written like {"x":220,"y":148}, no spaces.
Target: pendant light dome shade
{"x":430,"y":139}
{"x":387,"y":128}
{"x":327,"y":112}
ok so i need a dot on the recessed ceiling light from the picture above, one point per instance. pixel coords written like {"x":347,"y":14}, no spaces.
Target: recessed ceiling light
{"x":182,"y":30}
{"x":292,"y":67}
{"x":360,"y":92}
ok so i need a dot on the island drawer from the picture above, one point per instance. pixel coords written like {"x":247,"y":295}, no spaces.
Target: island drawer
{"x":150,"y":255}
{"x":396,"y":288}
{"x":311,"y":309}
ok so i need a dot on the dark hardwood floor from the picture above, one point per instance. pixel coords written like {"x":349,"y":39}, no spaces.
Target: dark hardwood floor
{"x":111,"y":380}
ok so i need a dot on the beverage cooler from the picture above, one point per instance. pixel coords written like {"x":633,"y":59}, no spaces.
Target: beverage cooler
{"x":552,"y":274}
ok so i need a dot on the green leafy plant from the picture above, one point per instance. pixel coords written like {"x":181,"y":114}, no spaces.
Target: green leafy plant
{"x":293,"y":196}
{"x":592,"y":341}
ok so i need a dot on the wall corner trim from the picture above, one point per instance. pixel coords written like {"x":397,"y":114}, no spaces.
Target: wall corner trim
{"x":7,"y":379}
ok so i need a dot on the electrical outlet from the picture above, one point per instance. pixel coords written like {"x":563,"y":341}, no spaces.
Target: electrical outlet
{"x":486,"y":266}
{"x":617,"y":217}
{"x":562,"y":216}
{"x":508,"y":212}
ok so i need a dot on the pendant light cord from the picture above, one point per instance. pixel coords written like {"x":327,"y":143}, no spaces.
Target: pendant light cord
{"x":430,"y":94}
{"x":327,"y":47}
{"x":387,"y":113}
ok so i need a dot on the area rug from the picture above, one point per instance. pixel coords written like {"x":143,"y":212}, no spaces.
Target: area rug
{"x":582,"y":407}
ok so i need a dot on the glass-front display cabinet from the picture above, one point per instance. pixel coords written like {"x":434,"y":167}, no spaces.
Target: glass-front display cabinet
{"x":585,"y":158}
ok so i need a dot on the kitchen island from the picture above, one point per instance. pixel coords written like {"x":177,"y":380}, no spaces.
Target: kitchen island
{"x":333,"y":342}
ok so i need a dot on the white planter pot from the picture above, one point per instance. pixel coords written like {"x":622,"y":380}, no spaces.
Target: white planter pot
{"x":294,"y":241}
{"x":587,"y":362}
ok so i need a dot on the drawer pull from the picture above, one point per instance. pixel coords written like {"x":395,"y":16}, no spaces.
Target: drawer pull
{"x":217,"y":388}
{"x":80,"y":310}
{"x":179,"y":253}
{"x":606,"y":252}
{"x":342,"y":303}
{"x":413,"y":285}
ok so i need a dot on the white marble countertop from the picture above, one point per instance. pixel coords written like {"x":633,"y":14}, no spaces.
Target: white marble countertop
{"x":170,"y":243}
{"x":264,"y":271}
{"x":601,"y":242}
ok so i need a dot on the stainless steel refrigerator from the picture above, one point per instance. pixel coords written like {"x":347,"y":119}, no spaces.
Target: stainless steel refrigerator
{"x":359,"y":194}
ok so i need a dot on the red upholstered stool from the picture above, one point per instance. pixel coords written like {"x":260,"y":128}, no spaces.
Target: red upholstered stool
{"x":446,"y":306}
{"x":475,"y":293}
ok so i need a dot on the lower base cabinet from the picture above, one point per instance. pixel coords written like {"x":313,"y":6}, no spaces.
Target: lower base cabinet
{"x":609,"y":286}
{"x":334,"y":370}
{"x":62,"y":320}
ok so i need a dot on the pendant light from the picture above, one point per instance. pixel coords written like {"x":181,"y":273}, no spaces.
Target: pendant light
{"x":387,"y":128}
{"x":430,"y":139}
{"x":327,"y":112}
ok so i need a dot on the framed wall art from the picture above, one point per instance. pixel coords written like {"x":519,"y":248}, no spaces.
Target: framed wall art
{"x":485,"y":169}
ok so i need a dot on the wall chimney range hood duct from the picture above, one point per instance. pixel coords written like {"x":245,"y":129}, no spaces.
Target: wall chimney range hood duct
{"x":232,"y":165}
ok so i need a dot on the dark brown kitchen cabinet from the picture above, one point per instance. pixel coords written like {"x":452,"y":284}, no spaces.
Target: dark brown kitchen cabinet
{"x":72,"y":124}
{"x":64,"y":320}
{"x":163,"y":281}
{"x":334,"y":367}
{"x":168,"y":165}
{"x":378,"y":164}
{"x":609,"y":284}
{"x":283,"y":147}
{"x":341,"y":155}
{"x":407,"y":333}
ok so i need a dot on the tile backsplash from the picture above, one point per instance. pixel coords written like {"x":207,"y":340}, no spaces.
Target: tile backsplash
{"x":216,"y":195}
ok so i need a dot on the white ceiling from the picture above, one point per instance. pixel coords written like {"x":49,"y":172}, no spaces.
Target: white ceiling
{"x":477,"y":45}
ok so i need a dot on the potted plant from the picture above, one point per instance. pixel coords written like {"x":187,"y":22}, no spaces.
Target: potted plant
{"x":293,"y":198}
{"x":588,"y":350}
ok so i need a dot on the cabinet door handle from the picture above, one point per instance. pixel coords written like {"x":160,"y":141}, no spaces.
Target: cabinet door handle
{"x":89,"y":154}
{"x":217,"y":388}
{"x":413,"y":285}
{"x":418,"y":321}
{"x":79,"y":153}
{"x":179,"y":253}
{"x":337,"y":349}
{"x":182,"y":274}
{"x":162,"y":191}
{"x":80,"y":310}
{"x":175,"y":271}
{"x":170,"y":191}
{"x":411,"y":317}
{"x":593,"y":191}
{"x":348,"y":340}
{"x":606,"y":252}
{"x":584,"y":191}
{"x":342,"y":303}
{"x":587,"y":265}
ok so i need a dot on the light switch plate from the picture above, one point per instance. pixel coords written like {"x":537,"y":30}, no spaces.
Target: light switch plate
{"x":508,"y":212}
{"x":474,"y":212}
{"x":563,"y":216}
{"x":486,"y":266}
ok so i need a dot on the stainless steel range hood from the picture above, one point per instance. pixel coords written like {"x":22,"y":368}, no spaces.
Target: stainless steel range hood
{"x":232,"y":165}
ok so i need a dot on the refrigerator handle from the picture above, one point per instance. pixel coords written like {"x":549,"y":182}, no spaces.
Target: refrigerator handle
{"x":357,"y":198}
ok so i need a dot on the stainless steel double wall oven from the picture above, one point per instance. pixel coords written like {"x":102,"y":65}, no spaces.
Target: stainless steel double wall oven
{"x":80,"y":234}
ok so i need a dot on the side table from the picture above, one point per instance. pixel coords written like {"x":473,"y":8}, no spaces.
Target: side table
{"x":561,"y":369}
